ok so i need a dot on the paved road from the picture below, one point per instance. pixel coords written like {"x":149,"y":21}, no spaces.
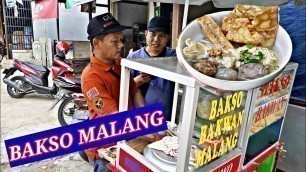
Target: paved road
{"x":29,"y":115}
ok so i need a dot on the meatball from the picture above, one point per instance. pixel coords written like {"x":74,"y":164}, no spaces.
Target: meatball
{"x":206,"y":67}
{"x":251,"y":71}
{"x":226,"y":74}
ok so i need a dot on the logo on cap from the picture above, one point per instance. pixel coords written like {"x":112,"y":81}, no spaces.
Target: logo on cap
{"x":107,"y":17}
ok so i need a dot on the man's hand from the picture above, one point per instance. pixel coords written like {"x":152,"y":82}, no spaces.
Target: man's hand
{"x":138,"y":100}
{"x":142,"y":79}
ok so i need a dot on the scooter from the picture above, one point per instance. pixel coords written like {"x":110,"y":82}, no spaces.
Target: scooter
{"x":69,"y":68}
{"x":35,"y":79}
{"x":73,"y":109}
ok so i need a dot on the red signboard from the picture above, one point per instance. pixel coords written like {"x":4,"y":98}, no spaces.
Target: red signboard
{"x":45,"y":9}
{"x":129,"y":163}
{"x":229,"y":166}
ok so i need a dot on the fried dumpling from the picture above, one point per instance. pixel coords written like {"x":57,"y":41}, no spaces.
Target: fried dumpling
{"x":250,"y":24}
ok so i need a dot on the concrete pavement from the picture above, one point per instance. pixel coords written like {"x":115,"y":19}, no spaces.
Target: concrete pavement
{"x":28,"y":115}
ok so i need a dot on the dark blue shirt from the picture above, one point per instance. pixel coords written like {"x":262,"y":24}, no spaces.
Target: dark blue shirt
{"x":159,"y":90}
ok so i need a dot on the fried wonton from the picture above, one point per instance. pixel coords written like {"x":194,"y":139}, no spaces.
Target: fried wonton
{"x":250,"y":24}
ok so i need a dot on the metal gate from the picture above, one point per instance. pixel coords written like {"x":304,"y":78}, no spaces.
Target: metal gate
{"x":18,"y":25}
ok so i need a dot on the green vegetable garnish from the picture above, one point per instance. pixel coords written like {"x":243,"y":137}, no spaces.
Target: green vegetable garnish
{"x":259,"y":56}
{"x":221,"y":56}
{"x":248,"y":57}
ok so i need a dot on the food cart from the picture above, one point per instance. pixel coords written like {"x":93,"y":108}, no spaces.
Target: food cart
{"x":241,"y":155}
{"x":170,"y":69}
{"x":233,"y":130}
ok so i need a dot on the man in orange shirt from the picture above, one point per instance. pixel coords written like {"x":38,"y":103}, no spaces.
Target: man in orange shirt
{"x":101,"y":78}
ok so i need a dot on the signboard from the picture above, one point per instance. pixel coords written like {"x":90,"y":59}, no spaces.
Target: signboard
{"x":218,"y":123}
{"x":156,"y":11}
{"x":71,"y":3}
{"x":45,"y":9}
{"x":272,"y":100}
{"x":231,"y":166}
{"x":84,"y":135}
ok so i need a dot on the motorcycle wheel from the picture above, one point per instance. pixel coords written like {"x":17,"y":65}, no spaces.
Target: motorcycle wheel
{"x":66,"y":111}
{"x":12,"y":91}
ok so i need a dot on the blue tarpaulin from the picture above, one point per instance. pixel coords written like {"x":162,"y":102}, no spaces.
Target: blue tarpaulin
{"x":293,"y":20}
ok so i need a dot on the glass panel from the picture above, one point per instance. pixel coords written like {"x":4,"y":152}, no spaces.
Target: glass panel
{"x":272,"y":100}
{"x":270,"y":106}
{"x":218,"y":122}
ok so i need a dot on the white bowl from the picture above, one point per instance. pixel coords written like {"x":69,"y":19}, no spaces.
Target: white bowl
{"x":282,"y":46}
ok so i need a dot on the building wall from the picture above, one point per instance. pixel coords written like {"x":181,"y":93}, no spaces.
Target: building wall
{"x":129,"y":14}
{"x":72,"y":27}
{"x":44,"y":28}
{"x":72,"y":24}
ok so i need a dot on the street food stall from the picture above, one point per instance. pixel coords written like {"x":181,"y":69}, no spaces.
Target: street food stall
{"x":253,"y":144}
{"x":194,"y":96}
{"x":224,"y":124}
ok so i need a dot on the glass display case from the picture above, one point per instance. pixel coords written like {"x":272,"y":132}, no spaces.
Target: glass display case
{"x":217,"y":130}
{"x":267,"y":114}
{"x":211,"y":125}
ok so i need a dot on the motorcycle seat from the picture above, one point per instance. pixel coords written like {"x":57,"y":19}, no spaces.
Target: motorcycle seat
{"x":75,"y":80}
{"x":36,"y":67}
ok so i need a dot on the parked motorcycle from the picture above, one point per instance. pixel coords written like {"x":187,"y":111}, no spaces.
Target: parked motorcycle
{"x":35,"y":77}
{"x":61,"y":66}
{"x":73,"y":109}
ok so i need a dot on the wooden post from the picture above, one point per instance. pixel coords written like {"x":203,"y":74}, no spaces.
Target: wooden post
{"x":177,"y":16}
